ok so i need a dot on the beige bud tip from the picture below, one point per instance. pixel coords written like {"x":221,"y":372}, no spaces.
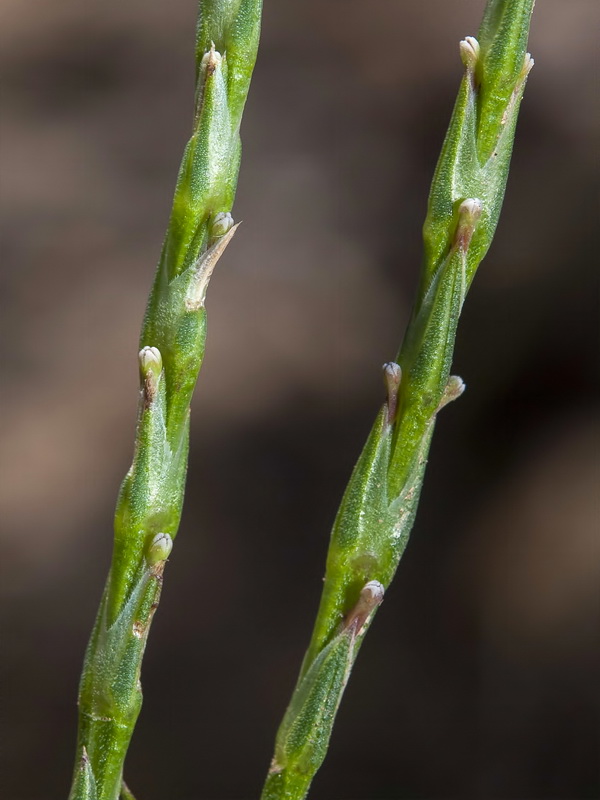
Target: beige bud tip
{"x":150,"y":359}
{"x":372,"y":594}
{"x":469,"y":51}
{"x":159,"y":549}
{"x":470,"y":210}
{"x":392,"y":373}
{"x":221,"y":224}
{"x":455,"y":386}
{"x":210,"y":60}
{"x":528,"y":65}
{"x":468,"y":213}
{"x":370,"y":597}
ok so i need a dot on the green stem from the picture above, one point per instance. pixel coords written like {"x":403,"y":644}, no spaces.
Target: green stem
{"x":377,"y":511}
{"x":172,"y":348}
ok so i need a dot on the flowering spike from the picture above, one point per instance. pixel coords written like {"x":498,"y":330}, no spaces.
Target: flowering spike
{"x":377,"y":511}
{"x":172,"y":349}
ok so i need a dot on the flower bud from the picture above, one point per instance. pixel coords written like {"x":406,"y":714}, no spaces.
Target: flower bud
{"x":469,"y":52}
{"x":159,"y":549}
{"x":221,"y":224}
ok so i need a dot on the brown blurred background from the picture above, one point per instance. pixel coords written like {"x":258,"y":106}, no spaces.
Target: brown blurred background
{"x":479,"y":679}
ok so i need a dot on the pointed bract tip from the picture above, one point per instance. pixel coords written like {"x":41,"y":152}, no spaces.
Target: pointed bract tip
{"x":159,"y":549}
{"x":204,"y":269}
{"x":469,"y":52}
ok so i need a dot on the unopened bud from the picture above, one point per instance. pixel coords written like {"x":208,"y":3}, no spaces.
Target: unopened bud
{"x":528,"y":64}
{"x":159,"y":549}
{"x":221,"y":224}
{"x":150,"y":360}
{"x":150,"y":369}
{"x":469,"y":52}
{"x":371,"y":596}
{"x":210,"y":60}
{"x":392,"y":375}
{"x":454,"y":388}
{"x":468,"y":214}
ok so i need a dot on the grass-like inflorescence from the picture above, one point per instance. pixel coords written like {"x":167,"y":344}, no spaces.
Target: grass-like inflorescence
{"x":172,"y":348}
{"x":377,"y":512}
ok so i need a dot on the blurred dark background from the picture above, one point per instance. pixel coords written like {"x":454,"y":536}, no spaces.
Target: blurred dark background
{"x":479,"y":679}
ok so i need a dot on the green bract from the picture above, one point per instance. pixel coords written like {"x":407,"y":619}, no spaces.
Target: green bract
{"x":378,"y":508}
{"x":172,"y":348}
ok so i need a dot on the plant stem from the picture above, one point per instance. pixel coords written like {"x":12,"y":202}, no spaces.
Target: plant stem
{"x":376,"y":515}
{"x":172,"y":348}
